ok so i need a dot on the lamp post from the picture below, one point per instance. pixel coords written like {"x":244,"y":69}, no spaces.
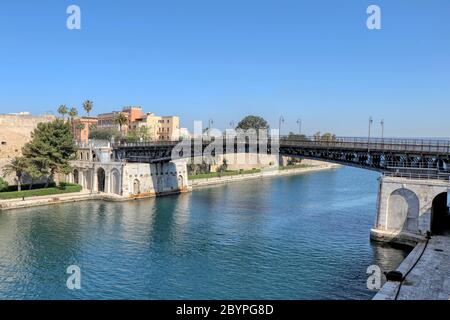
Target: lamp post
{"x":299,"y":122}
{"x":281,"y":120}
{"x":210,"y":123}
{"x":232,"y":124}
{"x":382,"y":130}
{"x":370,"y":127}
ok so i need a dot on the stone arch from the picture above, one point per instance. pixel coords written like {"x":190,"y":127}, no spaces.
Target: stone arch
{"x":115,"y":181}
{"x":440,"y":218}
{"x":403,"y":211}
{"x":76,"y":176}
{"x":136,"y":186}
{"x":101,"y":178}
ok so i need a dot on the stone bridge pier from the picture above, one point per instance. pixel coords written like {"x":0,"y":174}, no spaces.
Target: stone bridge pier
{"x":97,"y":170}
{"x":408,"y":209}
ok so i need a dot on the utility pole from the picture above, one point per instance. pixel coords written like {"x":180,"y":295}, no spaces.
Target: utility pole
{"x":281,"y":120}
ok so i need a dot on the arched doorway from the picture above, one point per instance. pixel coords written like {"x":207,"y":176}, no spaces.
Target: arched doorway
{"x":440,"y":218}
{"x":101,"y":179}
{"x":115,"y":181}
{"x":403,"y":211}
{"x":76,"y":176}
{"x":136,"y":187}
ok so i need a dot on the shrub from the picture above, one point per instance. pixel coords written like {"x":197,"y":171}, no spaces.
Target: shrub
{"x":3,"y":185}
{"x":62,"y":188}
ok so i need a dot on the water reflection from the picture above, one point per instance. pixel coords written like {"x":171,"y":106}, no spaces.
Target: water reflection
{"x":299,"y":237}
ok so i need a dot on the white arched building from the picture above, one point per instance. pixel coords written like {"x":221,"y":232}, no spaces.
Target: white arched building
{"x":96,"y":169}
{"x":408,"y":209}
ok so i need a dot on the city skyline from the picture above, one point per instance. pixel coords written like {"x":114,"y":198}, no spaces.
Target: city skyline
{"x":225,"y":60}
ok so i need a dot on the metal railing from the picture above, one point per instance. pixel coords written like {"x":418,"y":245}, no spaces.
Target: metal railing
{"x":417,"y":176}
{"x":386,"y":144}
{"x":357,"y":143}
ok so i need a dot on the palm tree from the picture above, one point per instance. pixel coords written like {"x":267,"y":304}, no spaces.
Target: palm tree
{"x":80,"y":126}
{"x":120,"y":119}
{"x":18,"y":167}
{"x":62,"y":110}
{"x":87,"y":106}
{"x":73,"y":113}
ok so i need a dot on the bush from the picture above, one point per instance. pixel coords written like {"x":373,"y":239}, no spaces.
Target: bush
{"x":27,"y":187}
{"x":62,"y":188}
{"x":3,"y":185}
{"x":104,"y":134}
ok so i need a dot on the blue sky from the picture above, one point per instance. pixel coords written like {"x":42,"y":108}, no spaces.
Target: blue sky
{"x":223,"y":59}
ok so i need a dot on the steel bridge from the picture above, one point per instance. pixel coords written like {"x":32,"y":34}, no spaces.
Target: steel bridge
{"x":407,"y":158}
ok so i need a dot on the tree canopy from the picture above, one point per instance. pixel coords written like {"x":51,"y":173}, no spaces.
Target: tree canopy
{"x":51,"y":148}
{"x":16,"y":166}
{"x":253,"y":122}
{"x":103,"y":134}
{"x":87,"y":106}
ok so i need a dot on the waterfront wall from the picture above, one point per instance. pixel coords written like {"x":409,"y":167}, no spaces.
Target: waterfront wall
{"x":15,"y":132}
{"x":405,"y":209}
{"x":196,"y":183}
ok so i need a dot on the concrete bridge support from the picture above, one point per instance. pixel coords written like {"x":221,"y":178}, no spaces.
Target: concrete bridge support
{"x":408,"y":209}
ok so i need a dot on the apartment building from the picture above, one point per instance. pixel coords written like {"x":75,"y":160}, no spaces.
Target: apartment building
{"x":161,"y":128}
{"x":82,"y":126}
{"x":106,"y":120}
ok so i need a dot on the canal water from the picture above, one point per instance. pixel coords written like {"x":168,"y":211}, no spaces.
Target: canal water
{"x":298,"y":237}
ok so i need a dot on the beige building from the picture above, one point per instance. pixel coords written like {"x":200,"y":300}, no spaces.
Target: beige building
{"x":160,"y":128}
{"x":15,"y":132}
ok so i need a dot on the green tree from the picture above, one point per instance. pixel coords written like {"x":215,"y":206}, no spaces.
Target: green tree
{"x":120,"y":119}
{"x":62,"y":110}
{"x":73,"y":113}
{"x":33,"y":172}
{"x":296,"y":136}
{"x":328,"y":137}
{"x":253,"y":122}
{"x":80,"y":126}
{"x":103,"y":134}
{"x":51,"y":148}
{"x":138,"y":134}
{"x":16,"y":166}
{"x":3,"y":185}
{"x":87,"y":106}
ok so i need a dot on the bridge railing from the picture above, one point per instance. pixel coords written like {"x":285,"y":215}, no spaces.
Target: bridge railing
{"x":417,"y":176}
{"x":360,"y":143}
{"x":391,"y":144}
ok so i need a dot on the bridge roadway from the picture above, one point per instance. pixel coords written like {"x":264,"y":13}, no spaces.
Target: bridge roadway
{"x":407,"y":158}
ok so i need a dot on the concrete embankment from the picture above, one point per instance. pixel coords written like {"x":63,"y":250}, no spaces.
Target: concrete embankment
{"x":429,"y":278}
{"x":197,"y":183}
{"x":86,"y":195}
{"x":55,"y":199}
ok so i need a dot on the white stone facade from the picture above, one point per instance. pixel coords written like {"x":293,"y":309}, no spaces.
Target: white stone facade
{"x":95,"y":170}
{"x":405,"y":208}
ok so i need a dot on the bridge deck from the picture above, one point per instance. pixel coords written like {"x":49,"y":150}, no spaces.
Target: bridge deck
{"x":414,"y":158}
